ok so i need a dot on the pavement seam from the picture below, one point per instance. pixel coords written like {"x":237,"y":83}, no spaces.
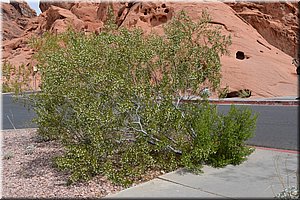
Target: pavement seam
{"x":164,"y":179}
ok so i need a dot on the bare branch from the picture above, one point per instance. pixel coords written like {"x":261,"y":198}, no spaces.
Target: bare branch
{"x":182,"y":113}
{"x":148,"y":135}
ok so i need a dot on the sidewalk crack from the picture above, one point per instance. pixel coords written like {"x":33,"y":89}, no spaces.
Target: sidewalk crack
{"x":194,"y":188}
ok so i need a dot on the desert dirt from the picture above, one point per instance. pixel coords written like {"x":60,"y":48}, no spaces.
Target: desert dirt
{"x":27,"y":170}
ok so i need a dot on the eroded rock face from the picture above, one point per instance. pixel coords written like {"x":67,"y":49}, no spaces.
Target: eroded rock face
{"x":154,"y":14}
{"x":57,"y":20}
{"x":148,"y":16}
{"x":45,"y":5}
{"x":15,"y":19}
{"x":266,"y":70}
{"x":276,"y":22}
{"x":259,"y":62}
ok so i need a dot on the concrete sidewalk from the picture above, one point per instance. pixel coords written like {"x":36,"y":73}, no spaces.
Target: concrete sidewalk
{"x":264,"y":174}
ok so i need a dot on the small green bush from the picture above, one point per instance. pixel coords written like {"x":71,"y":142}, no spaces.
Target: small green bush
{"x":223,"y":92}
{"x":15,"y":78}
{"x":233,"y":130}
{"x":115,"y":101}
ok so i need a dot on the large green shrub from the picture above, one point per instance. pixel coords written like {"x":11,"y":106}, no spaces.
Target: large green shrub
{"x":115,"y":100}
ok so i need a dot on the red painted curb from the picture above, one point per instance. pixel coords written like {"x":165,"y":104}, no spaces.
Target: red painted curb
{"x":279,"y":150}
{"x":289,"y":103}
{"x":251,"y":102}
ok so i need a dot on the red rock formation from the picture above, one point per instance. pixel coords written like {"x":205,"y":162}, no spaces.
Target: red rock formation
{"x":276,"y":22}
{"x":265,"y":69}
{"x":149,"y":16}
{"x":15,"y":18}
{"x":57,"y":20}
{"x":44,"y":5}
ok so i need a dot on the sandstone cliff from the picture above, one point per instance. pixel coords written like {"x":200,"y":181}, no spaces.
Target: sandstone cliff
{"x":276,"y":22}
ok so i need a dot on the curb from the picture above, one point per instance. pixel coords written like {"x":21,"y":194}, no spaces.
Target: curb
{"x":287,"y":102}
{"x":248,"y":102}
{"x":278,"y":150}
{"x":258,"y":102}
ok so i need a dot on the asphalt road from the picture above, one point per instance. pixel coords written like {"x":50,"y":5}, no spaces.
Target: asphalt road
{"x":277,"y":126}
{"x":15,"y":114}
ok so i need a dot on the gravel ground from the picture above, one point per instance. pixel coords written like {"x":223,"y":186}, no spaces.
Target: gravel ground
{"x":27,"y":170}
